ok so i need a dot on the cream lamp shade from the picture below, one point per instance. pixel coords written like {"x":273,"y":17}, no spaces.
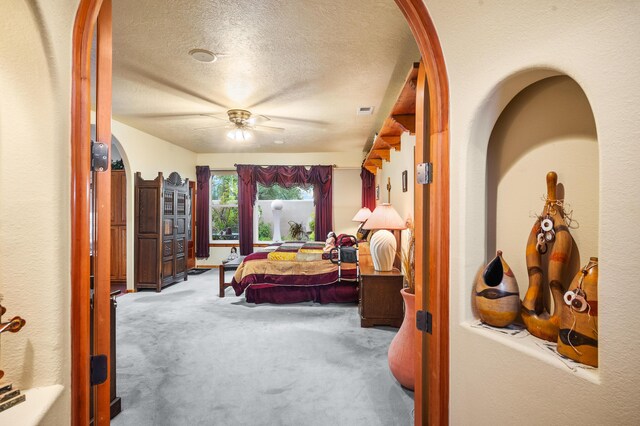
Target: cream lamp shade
{"x":362,"y":215}
{"x":383,"y":244}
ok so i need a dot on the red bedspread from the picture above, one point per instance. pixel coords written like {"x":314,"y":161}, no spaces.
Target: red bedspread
{"x":257,"y":270}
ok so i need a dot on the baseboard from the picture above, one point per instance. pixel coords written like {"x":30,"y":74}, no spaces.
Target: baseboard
{"x":207,"y":266}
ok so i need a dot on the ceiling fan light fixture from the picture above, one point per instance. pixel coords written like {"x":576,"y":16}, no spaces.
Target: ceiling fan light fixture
{"x":239,"y":135}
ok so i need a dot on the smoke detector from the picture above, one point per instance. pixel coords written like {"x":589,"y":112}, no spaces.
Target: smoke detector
{"x":203,"y":55}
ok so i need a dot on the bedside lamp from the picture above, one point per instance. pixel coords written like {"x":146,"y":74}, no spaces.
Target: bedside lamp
{"x":361,"y":217}
{"x":383,"y":244}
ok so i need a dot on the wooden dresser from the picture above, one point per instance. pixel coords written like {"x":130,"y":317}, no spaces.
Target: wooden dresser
{"x":380,"y":299}
{"x":163,"y":222}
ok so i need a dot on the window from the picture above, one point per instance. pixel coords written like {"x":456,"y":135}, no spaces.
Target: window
{"x":297,"y":217}
{"x":224,"y":206}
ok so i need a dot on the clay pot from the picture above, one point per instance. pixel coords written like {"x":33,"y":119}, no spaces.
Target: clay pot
{"x":401,"y":353}
{"x":496,"y":293}
{"x":578,"y":336}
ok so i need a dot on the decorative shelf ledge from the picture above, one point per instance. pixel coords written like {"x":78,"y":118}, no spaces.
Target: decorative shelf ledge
{"x":31,"y":412}
{"x":518,"y":338}
{"x":401,"y":119}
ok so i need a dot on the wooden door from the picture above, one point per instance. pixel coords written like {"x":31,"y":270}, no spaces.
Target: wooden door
{"x":181,"y":229}
{"x":191,"y":240}
{"x":118,"y":227}
{"x":168,"y":234}
{"x":90,"y":262}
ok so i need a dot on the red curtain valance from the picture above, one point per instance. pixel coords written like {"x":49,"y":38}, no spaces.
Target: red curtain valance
{"x":286,"y":176}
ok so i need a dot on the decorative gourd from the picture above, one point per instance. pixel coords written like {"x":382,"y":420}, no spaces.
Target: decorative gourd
{"x":496,"y":293}
{"x":537,"y":319}
{"x":578,"y":337}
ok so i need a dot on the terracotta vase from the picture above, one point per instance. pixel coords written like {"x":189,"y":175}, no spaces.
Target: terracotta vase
{"x":578,"y":337}
{"x":496,"y":292}
{"x":401,"y":353}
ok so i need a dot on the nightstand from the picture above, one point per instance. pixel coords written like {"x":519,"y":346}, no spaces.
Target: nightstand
{"x":380,"y":299}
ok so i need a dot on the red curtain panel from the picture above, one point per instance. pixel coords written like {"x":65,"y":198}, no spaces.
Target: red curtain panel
{"x":203,"y":178}
{"x":368,"y":189}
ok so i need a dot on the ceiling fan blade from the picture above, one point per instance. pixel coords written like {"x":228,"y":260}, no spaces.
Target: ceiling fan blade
{"x":268,"y":129}
{"x":212,"y":127}
{"x":257,"y":118}
{"x":300,"y":121}
{"x":220,"y":116}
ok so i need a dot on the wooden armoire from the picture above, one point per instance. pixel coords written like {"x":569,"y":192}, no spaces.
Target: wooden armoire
{"x":162,"y":229}
{"x":118,"y":227}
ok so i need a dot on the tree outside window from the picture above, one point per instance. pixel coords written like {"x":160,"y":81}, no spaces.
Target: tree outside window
{"x":224,"y":207}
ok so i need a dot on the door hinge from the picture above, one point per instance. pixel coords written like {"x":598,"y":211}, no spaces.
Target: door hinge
{"x":98,"y":369}
{"x":99,"y":156}
{"x":424,"y":173}
{"x":424,"y":321}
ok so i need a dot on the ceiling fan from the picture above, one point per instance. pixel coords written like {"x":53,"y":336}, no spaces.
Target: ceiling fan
{"x":242,"y":124}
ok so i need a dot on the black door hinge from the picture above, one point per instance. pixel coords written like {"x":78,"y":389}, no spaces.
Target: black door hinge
{"x":98,"y":369}
{"x":99,"y":156}
{"x":424,"y":321}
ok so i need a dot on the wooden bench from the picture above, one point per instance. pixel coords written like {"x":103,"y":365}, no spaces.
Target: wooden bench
{"x":230,"y":265}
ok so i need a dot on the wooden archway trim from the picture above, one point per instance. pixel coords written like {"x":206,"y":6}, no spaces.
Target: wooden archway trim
{"x":432,"y":256}
{"x":435,"y":398}
{"x":80,"y":156}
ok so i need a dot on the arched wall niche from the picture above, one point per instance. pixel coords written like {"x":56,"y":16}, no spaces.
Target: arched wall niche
{"x":547,"y":126}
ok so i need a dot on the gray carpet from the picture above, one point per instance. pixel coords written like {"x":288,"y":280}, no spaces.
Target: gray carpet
{"x":187,"y":357}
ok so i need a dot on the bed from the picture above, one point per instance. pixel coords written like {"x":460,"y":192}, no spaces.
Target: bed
{"x":296,"y":272}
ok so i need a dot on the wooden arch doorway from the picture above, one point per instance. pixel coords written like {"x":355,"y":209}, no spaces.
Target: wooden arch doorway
{"x":431,"y":225}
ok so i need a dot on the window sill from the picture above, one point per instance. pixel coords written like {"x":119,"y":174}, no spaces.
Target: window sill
{"x":236,"y":243}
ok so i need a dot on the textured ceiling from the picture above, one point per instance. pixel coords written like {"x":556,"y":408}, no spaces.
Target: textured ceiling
{"x":308,"y":65}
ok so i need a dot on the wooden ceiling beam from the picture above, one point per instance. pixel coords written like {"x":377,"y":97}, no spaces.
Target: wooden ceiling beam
{"x":406,"y":121}
{"x":384,"y":154}
{"x":372,"y":169}
{"x":392,"y":140}
{"x":400,"y":120}
{"x":376,"y":162}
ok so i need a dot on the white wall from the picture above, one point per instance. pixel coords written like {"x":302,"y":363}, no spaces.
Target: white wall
{"x":492,"y":50}
{"x":35,"y":69}
{"x":346,"y":184}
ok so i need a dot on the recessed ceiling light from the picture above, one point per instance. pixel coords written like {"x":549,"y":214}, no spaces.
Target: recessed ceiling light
{"x":203,"y":55}
{"x":365,"y":111}
{"x":278,"y":142}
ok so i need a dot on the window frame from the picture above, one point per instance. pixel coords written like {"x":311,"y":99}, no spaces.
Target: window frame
{"x":213,"y":242}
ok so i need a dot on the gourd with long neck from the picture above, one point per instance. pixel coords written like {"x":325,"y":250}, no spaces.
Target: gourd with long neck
{"x":538,"y":320}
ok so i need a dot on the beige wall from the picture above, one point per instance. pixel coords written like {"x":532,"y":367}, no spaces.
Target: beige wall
{"x":548,"y":126}
{"x":148,"y":155}
{"x":35,"y":70}
{"x":492,"y":51}
{"x":346,"y":184}
{"x":398,"y":162}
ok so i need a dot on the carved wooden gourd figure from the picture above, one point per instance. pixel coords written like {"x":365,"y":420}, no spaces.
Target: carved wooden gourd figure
{"x":496,"y":293}
{"x":549,"y":235}
{"x":578,"y":337}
